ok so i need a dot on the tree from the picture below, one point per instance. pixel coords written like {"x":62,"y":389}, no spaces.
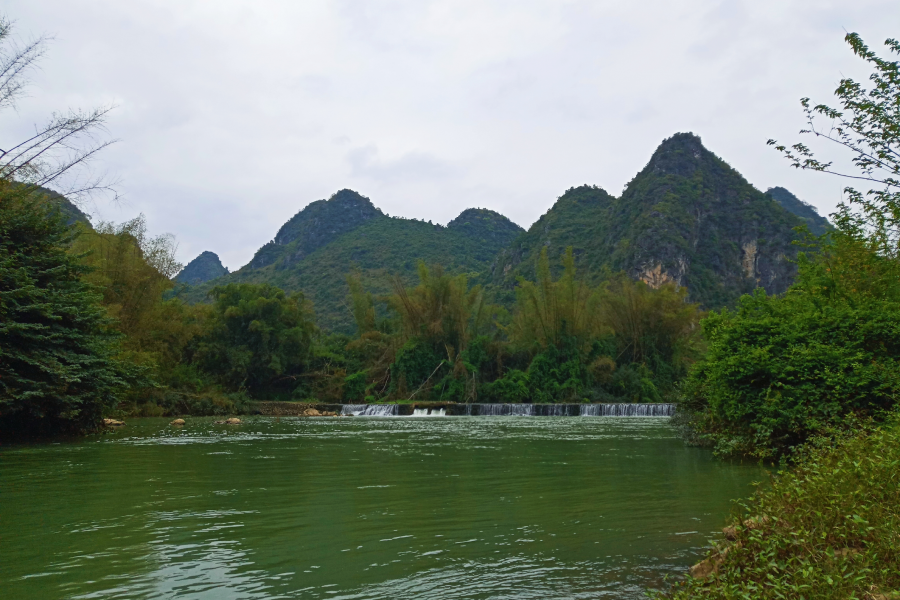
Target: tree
{"x":258,"y":338}
{"x":781,"y":369}
{"x":57,"y":368}
{"x":868,"y":127}
{"x":550,"y":313}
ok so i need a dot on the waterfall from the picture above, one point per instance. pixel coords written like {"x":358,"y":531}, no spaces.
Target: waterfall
{"x":505,"y":410}
{"x":555,"y":410}
{"x":429,"y":412}
{"x":369,"y":410}
{"x":520,"y":410}
{"x":627,"y":410}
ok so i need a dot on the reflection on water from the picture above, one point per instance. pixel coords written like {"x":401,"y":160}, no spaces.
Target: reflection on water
{"x":360,"y":508}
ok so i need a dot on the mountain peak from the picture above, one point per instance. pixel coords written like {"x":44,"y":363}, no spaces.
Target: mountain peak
{"x":680,"y":155}
{"x":317,"y":224}
{"x":205,"y":267}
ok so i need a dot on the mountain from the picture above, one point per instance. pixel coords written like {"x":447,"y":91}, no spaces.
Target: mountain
{"x":315,"y":250}
{"x":687,"y":217}
{"x":205,"y":267}
{"x":816,"y":223}
{"x":70,"y":212}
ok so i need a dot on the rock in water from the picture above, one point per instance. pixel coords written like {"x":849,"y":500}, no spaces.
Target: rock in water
{"x":177,"y":422}
{"x":232,"y":421}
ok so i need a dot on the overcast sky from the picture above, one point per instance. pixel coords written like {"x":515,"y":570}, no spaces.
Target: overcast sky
{"x":233,"y":115}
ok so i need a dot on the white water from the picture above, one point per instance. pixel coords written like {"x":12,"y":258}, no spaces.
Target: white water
{"x":429,"y":412}
{"x":627,"y":410}
{"x":521,"y":410}
{"x":370,"y":410}
{"x":505,"y":410}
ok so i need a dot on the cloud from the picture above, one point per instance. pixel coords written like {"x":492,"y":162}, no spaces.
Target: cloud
{"x":234,"y":115}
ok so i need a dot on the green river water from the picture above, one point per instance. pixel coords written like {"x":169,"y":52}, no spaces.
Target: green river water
{"x":361,"y":508}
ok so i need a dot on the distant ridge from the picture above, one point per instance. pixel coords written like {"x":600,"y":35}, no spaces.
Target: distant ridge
{"x":816,"y":223}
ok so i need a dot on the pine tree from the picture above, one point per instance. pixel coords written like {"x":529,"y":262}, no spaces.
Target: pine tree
{"x":57,"y":367}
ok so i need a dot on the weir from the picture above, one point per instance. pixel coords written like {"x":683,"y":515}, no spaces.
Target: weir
{"x":510,"y":410}
{"x":370,"y":410}
{"x":429,"y":412}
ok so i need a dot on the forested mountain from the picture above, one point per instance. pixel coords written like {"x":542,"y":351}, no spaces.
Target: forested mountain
{"x":816,"y":223}
{"x":203,"y":268}
{"x":321,"y":244}
{"x":687,"y":217}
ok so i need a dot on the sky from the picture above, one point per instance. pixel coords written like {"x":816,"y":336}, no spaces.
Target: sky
{"x":233,"y":115}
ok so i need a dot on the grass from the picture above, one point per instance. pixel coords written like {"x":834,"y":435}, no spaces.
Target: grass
{"x":828,"y":528}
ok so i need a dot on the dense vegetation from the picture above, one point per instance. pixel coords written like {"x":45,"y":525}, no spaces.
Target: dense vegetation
{"x":58,"y":370}
{"x":826,"y":529}
{"x":812,"y":377}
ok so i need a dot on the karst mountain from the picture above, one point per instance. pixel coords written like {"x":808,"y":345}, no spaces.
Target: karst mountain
{"x":687,"y":217}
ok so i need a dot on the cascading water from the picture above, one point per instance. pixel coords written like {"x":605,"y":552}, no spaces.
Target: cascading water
{"x":520,"y":410}
{"x":554,"y":410}
{"x":429,"y":412}
{"x":370,"y":410}
{"x":627,"y":410}
{"x":505,"y":410}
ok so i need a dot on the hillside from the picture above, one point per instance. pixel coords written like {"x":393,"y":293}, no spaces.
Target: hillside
{"x":816,"y":223}
{"x":321,"y":244}
{"x":205,"y":267}
{"x":687,"y":217}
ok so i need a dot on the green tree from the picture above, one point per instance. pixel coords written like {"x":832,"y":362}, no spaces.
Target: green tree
{"x":258,"y":338}
{"x":550,"y":313}
{"x":780,"y":369}
{"x":57,"y":368}
{"x":438,"y":319}
{"x":867,"y":129}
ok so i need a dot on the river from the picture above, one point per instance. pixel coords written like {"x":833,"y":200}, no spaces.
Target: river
{"x":361,"y":508}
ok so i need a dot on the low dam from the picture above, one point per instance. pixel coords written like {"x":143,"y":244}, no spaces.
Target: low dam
{"x":508,"y":410}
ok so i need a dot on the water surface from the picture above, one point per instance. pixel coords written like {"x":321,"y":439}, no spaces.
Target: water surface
{"x":361,"y":508}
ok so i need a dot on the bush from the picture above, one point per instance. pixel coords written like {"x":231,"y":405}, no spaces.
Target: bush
{"x":781,"y":369}
{"x":827,"y":529}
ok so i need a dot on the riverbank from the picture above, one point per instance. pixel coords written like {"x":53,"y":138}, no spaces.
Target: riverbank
{"x":829,"y":528}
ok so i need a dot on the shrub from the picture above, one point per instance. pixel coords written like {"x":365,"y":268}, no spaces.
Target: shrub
{"x":827,"y":529}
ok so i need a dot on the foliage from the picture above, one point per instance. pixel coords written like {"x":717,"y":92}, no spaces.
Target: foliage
{"x":133,"y":270}
{"x":656,"y":328}
{"x":868,"y":128}
{"x":827,"y":529}
{"x":57,"y":367}
{"x":779,"y":369}
{"x":549,"y":312}
{"x":258,"y":338}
